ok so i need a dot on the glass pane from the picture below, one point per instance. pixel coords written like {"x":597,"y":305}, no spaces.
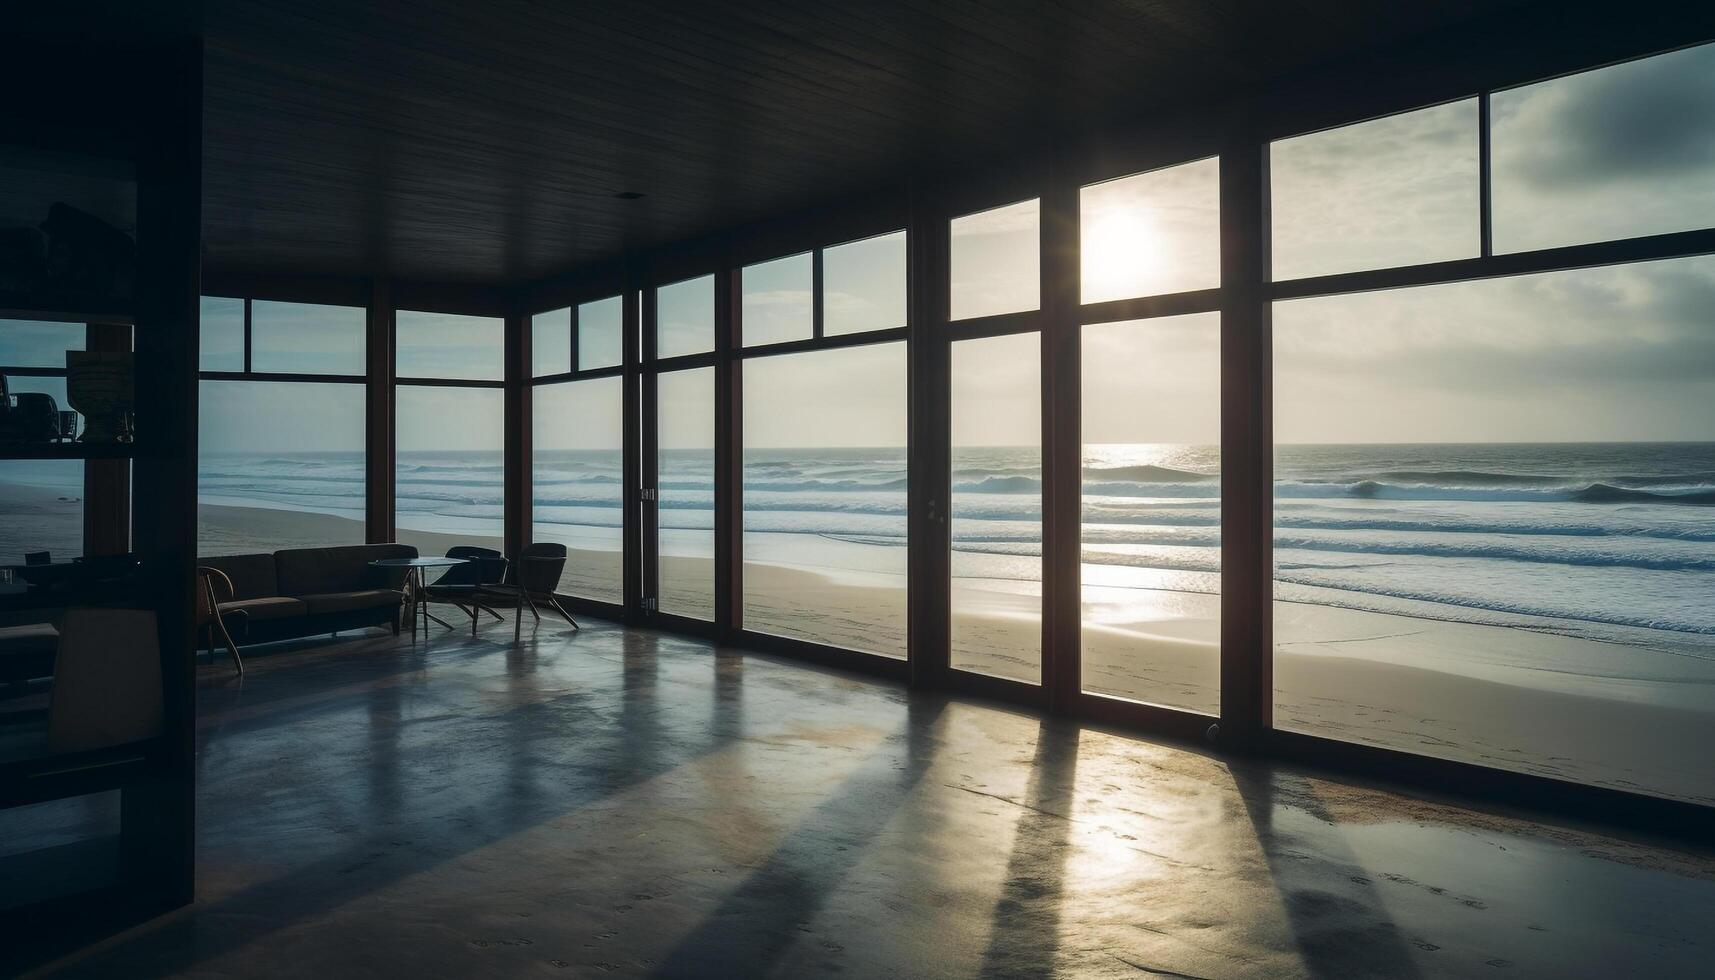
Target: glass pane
{"x":579,"y":471}
{"x":301,"y":338}
{"x":1396,"y":191}
{"x":1152,"y":511}
{"x":600,"y":327}
{"x":279,"y":465}
{"x":222,"y":334}
{"x":1492,"y":538}
{"x":551,"y":342}
{"x":41,"y":508}
{"x":685,"y":317}
{"x":863,"y":285}
{"x":39,"y":343}
{"x":824,"y":497}
{"x":449,"y":345}
{"x":997,"y":507}
{"x":686,"y":572}
{"x":996,"y":261}
{"x":1152,"y":233}
{"x":1613,"y":153}
{"x":775,"y":305}
{"x":448,"y":476}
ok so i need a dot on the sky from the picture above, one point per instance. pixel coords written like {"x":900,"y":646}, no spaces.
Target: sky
{"x":1625,"y":352}
{"x":599,"y":342}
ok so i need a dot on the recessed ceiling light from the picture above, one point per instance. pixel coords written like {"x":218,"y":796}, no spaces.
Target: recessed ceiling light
{"x":629,"y":195}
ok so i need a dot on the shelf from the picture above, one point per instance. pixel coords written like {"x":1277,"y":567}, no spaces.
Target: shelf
{"x":67,"y":450}
{"x":17,"y":307}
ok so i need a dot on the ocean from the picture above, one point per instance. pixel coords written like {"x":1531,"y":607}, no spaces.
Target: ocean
{"x":1610,"y":538}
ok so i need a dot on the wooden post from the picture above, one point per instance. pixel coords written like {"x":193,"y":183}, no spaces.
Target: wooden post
{"x":1247,"y":443}
{"x":1062,"y":446}
{"x":379,"y":429}
{"x":633,"y":324}
{"x":518,"y":509}
{"x":729,"y":461}
{"x":929,"y":435}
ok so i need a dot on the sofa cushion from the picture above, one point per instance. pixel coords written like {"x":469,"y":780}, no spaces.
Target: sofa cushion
{"x":27,"y":651}
{"x":318,"y":571}
{"x":338,"y":602}
{"x":252,"y":575}
{"x":28,"y":640}
{"x":267,"y":607}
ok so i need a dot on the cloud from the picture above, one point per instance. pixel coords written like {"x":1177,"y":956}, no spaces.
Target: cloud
{"x":1627,"y":350}
{"x":1636,"y":121}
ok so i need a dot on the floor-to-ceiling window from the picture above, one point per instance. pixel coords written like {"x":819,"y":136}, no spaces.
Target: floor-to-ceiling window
{"x":680,"y":578}
{"x":280,"y":426}
{"x":996,"y":561}
{"x":1492,"y":535}
{"x":685,"y":475}
{"x":995,"y":404}
{"x":824,"y":437}
{"x":577,"y":423}
{"x":1151,"y":434}
{"x":449,"y":441}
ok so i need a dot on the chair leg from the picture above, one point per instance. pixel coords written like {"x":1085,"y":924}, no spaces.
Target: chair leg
{"x":566,"y":615}
{"x":518,"y":618}
{"x":231,"y":647}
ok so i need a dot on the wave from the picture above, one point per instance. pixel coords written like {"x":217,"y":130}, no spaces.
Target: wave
{"x":1455,"y":526}
{"x":1000,"y":484}
{"x":835,"y":486}
{"x":1593,"y":493}
{"x":1484,"y":478}
{"x":1604,"y":493}
{"x":1146,"y":474}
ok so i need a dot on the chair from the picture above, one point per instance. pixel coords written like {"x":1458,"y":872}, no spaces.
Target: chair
{"x":532,"y":579}
{"x":107,"y":680}
{"x":464,"y":585}
{"x":208,"y":612}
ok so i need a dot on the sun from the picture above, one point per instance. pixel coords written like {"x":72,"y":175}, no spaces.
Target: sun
{"x":1122,"y":247}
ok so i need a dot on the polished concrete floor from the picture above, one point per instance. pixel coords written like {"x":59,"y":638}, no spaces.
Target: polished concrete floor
{"x":622,"y":803}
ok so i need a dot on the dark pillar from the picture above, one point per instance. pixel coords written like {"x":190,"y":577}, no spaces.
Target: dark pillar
{"x":632,"y":326}
{"x":1062,"y":445}
{"x":729,"y":460}
{"x":1247,"y":438}
{"x":379,"y":441}
{"x":929,"y":410}
{"x":158,"y":816}
{"x":518,"y":507}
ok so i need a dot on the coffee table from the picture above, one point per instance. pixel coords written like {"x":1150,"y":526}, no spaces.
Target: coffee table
{"x":414,"y":591}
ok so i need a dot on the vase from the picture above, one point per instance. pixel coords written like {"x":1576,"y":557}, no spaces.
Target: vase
{"x":101,"y":385}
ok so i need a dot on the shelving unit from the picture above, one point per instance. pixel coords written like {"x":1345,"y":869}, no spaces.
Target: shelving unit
{"x":67,"y":450}
{"x":119,"y":138}
{"x":14,"y":306}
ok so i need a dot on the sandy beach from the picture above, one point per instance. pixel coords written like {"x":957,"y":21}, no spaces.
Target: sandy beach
{"x":1347,"y":674}
{"x":39,"y":519}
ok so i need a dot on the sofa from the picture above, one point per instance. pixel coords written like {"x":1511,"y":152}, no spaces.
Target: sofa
{"x":309,"y":591}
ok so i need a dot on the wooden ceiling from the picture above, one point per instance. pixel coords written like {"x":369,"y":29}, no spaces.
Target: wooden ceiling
{"x":485,"y":142}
